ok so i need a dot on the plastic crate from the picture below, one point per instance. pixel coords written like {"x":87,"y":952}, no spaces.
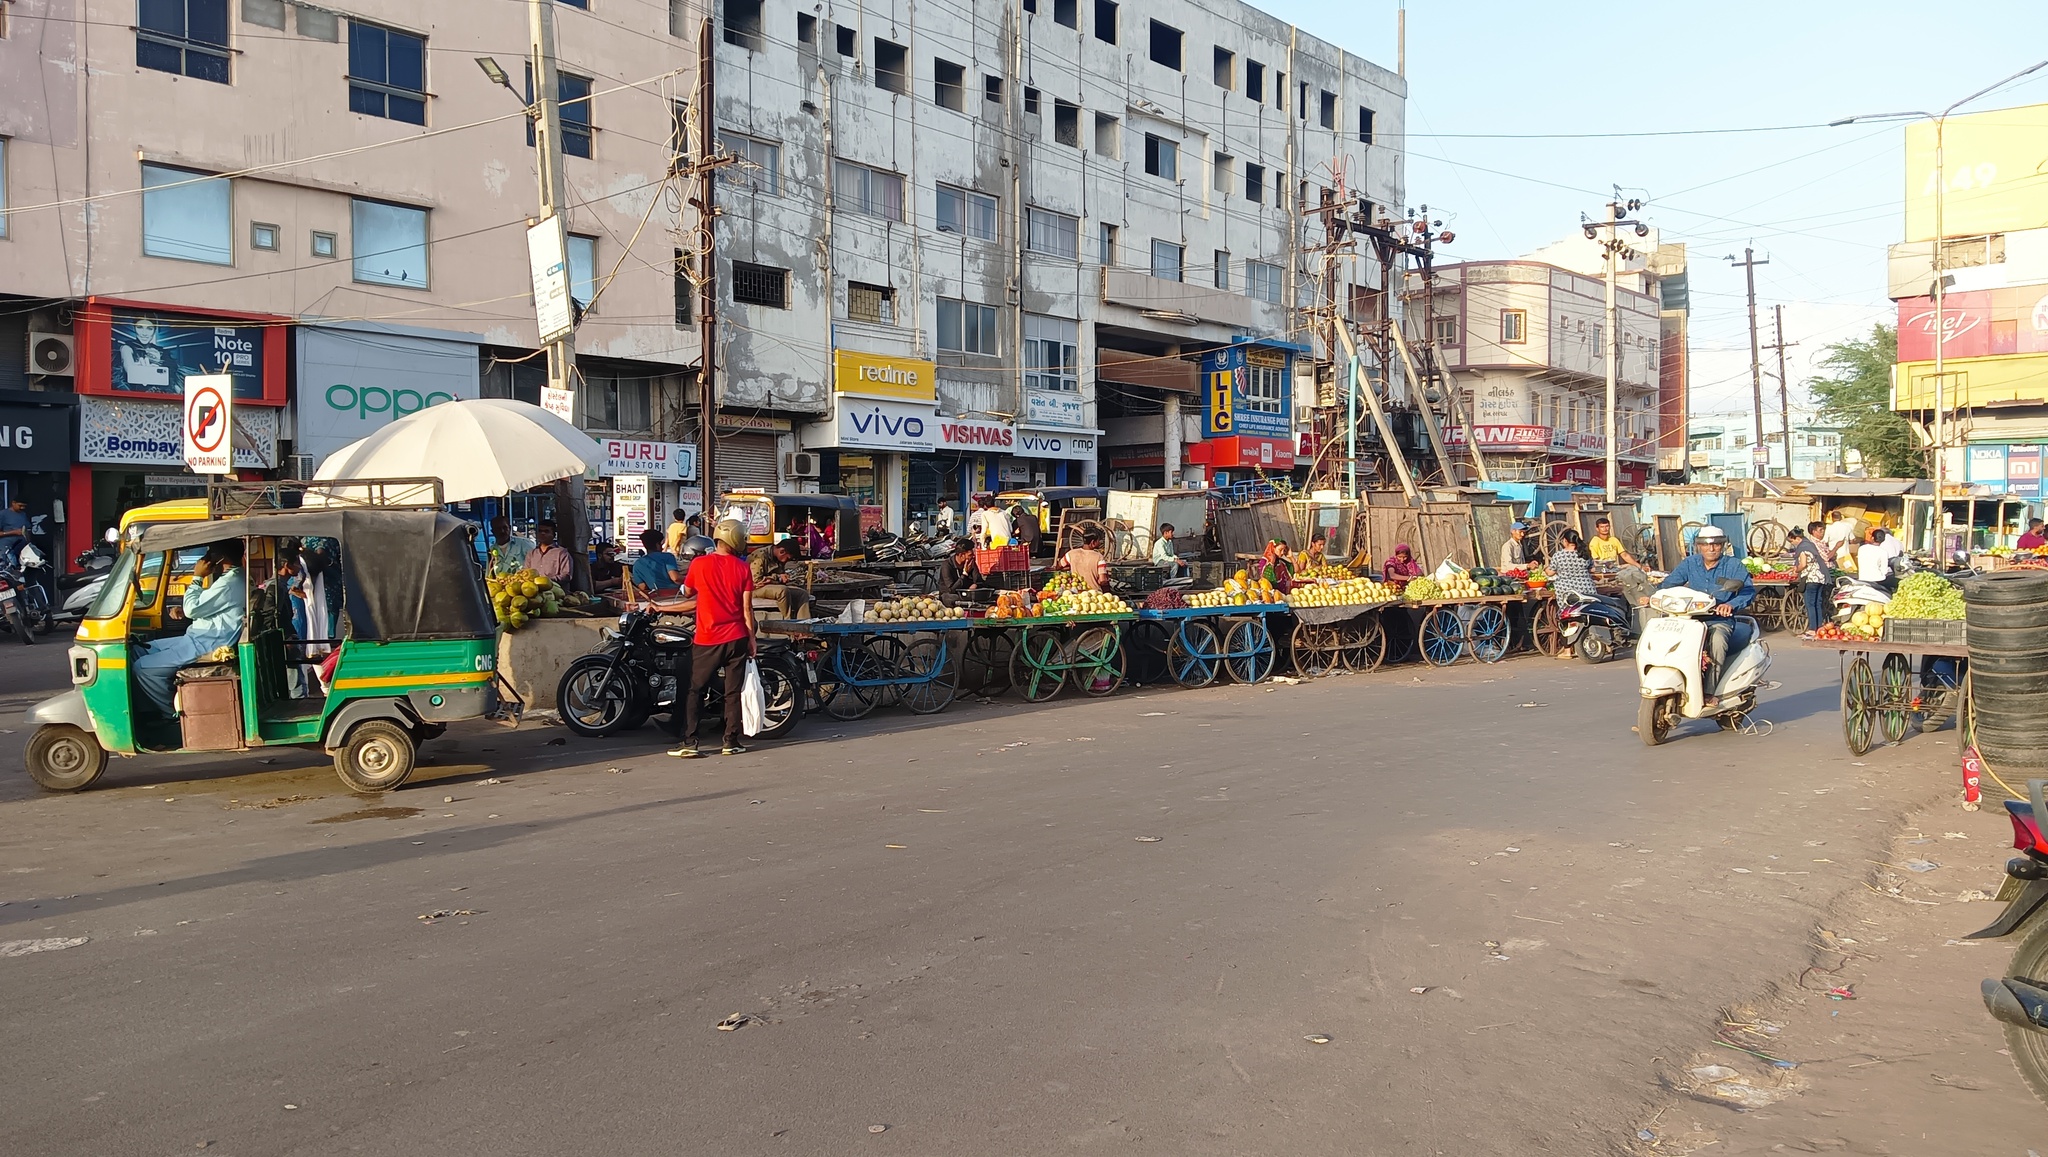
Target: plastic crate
{"x":1927,"y":632}
{"x":1002,"y":559}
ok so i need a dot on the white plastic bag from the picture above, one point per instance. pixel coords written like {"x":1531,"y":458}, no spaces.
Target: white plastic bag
{"x":753,"y":701}
{"x":1447,"y":570}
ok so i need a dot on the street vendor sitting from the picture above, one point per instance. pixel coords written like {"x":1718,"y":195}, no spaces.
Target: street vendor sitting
{"x":1276,"y":566}
{"x":1401,"y":565}
{"x":656,"y":570}
{"x":214,"y":607}
{"x":774,"y":581}
{"x":957,"y":572}
{"x":1606,"y":550}
{"x":1087,"y":562}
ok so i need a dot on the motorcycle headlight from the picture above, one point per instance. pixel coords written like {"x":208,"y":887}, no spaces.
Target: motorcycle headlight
{"x":623,"y":618}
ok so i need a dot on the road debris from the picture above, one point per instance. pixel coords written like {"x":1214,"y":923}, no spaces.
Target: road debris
{"x":445,"y":913}
{"x":1922,"y":865}
{"x":1969,"y":894}
{"x":10,"y":948}
{"x":878,"y":1128}
{"x":1316,"y":1038}
{"x":1722,"y":1085}
{"x":487,"y":782}
{"x":1287,"y":680}
{"x":1146,"y":839}
{"x":1151,"y":714}
{"x":734,"y":1022}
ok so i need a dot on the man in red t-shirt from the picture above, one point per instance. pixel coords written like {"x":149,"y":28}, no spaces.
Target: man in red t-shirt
{"x":723,"y":587}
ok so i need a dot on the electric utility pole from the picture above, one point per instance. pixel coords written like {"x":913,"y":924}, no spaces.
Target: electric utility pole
{"x":1784,"y":388}
{"x":705,"y":161}
{"x":1756,"y":366}
{"x":570,"y":514}
{"x":1614,"y":248}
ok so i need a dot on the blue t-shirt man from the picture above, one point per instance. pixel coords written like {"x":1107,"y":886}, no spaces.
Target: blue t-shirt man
{"x":1713,"y":573}
{"x":14,"y":526}
{"x":656,"y":571}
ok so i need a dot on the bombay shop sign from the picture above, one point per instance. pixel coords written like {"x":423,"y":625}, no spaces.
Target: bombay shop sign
{"x":970,"y":434}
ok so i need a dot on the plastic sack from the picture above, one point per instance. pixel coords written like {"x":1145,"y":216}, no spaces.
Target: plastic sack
{"x":856,"y":611}
{"x":1448,"y":570}
{"x":753,"y":701}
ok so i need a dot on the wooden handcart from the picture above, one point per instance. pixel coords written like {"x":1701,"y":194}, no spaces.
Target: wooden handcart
{"x":1908,"y":681}
{"x":1194,"y":646}
{"x":1046,"y":653}
{"x":870,"y":665}
{"x":1326,"y":640}
{"x":1780,"y":605}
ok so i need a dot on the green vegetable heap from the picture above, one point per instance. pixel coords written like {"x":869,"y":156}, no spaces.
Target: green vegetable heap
{"x":1925,"y":596}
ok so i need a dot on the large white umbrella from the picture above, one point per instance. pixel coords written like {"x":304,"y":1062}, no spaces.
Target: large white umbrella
{"x":477,"y":447}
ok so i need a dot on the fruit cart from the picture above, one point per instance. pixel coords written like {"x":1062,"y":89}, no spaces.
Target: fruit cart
{"x":1475,"y":627}
{"x":1542,"y":626}
{"x":1924,"y":679}
{"x":902,"y":654}
{"x":1194,"y":645}
{"x":1045,"y":653}
{"x":1780,"y":604}
{"x":1346,"y":637}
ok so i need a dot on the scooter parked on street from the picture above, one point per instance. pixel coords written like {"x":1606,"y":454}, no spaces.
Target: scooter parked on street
{"x":1671,"y":664}
{"x":2019,"y":999}
{"x":1596,"y":629}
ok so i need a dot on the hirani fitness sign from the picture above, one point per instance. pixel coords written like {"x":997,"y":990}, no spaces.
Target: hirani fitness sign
{"x":353,"y":381}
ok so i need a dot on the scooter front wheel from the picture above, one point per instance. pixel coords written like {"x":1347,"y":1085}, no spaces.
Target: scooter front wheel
{"x":2029,"y":1045}
{"x":1655,"y":718}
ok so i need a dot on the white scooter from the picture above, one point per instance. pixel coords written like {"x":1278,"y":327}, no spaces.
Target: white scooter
{"x":1671,"y":665}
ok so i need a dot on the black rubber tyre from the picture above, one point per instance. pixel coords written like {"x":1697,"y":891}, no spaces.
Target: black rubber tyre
{"x":61,"y":757}
{"x":2029,"y":1046}
{"x":18,"y":622}
{"x":785,"y":700}
{"x":1592,"y":648}
{"x":377,"y":756}
{"x":595,"y":701}
{"x":1655,"y":719}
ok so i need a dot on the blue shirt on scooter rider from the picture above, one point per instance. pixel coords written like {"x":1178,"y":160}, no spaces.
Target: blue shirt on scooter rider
{"x":1727,"y":581}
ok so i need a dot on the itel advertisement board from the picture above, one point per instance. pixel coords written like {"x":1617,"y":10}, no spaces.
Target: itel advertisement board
{"x":1979,"y":323}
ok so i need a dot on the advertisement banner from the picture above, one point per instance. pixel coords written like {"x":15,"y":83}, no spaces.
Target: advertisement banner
{"x":2023,"y":471}
{"x":131,"y":432}
{"x":560,"y":403}
{"x":1054,"y":408}
{"x":970,"y":435}
{"x":1979,"y":323}
{"x":355,"y":380}
{"x":1245,"y":391}
{"x":1502,"y":438}
{"x":154,"y":354}
{"x":35,"y":437}
{"x":669,"y":461}
{"x":1500,"y":403}
{"x":1988,"y":178}
{"x":631,"y":511}
{"x":876,"y":376}
{"x":1067,"y":444}
{"x":209,"y":423}
{"x":869,"y":425}
{"x":545,"y":253}
{"x":1987,"y":466}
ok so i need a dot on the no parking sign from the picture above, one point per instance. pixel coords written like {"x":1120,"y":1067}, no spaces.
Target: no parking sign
{"x":209,"y":423}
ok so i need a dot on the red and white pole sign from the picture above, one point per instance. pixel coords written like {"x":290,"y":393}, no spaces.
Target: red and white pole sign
{"x":210,"y":423}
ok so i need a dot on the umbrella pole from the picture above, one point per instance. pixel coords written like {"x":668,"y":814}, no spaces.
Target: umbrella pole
{"x":572,"y":519}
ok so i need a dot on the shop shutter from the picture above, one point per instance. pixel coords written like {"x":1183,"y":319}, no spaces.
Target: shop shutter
{"x":747,"y":460}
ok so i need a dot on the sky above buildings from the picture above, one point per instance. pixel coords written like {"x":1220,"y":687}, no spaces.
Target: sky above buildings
{"x":1508,"y":103}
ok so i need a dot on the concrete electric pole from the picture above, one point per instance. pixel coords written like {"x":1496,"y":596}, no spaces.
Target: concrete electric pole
{"x":1756,"y":366}
{"x":1784,"y":386}
{"x":570,"y":503}
{"x":1614,"y":248}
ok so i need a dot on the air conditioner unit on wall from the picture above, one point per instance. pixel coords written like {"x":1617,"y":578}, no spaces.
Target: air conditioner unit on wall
{"x":800,"y":464}
{"x":50,"y":354}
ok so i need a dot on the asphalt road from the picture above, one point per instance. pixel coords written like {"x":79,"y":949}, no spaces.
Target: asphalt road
{"x":1104,"y":925}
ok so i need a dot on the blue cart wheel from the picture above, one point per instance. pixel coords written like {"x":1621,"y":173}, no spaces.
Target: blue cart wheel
{"x":1443,"y":637}
{"x":930,"y":676}
{"x":1490,"y":634}
{"x":1250,"y":651}
{"x":1192,"y":653}
{"x":850,"y":662}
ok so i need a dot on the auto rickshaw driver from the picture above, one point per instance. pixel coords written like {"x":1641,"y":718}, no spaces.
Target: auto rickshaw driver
{"x":214,"y":613}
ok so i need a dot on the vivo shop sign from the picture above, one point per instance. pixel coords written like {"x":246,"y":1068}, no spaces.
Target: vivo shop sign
{"x":885,"y":426}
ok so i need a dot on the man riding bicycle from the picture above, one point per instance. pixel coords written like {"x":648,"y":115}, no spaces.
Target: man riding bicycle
{"x":1713,"y":572}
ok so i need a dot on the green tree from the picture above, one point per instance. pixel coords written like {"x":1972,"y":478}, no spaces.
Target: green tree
{"x":1856,"y":395}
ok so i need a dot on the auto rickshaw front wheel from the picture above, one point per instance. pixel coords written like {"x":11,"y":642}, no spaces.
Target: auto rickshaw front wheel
{"x":376,"y":755}
{"x":62,"y":757}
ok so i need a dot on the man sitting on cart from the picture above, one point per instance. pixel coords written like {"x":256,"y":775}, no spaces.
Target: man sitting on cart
{"x":1712,"y":572}
{"x":214,"y":607}
{"x":773,"y":580}
{"x":1087,"y":562}
{"x":957,"y":572}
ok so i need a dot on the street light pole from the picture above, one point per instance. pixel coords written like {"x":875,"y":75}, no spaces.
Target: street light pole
{"x":1613,"y":247}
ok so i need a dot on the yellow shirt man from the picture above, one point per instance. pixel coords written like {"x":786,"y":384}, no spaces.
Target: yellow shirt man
{"x":1606,"y":549}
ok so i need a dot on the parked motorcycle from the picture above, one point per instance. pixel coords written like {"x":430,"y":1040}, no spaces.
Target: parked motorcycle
{"x":2019,"y":999}
{"x":1596,"y":629}
{"x":19,"y":613}
{"x":1671,"y":667}
{"x":644,"y":666}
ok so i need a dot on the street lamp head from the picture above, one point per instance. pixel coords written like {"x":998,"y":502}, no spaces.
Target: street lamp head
{"x":1591,"y":233}
{"x":494,"y":70}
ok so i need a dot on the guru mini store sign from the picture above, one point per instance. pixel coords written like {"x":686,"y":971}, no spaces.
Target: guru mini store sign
{"x":666,"y":461}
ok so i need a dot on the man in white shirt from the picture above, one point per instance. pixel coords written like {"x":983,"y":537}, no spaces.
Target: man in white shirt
{"x":944,"y":519}
{"x":1874,"y":558}
{"x":1163,"y":551}
{"x":1840,"y":533}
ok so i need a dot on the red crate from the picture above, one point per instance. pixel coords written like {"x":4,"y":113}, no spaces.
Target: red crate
{"x":1003,"y":559}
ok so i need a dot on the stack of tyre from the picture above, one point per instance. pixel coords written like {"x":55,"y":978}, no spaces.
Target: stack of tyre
{"x":2007,"y":613}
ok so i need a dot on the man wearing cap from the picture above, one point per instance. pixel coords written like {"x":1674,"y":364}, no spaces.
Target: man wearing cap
{"x":1517,"y":551}
{"x":1713,"y":573}
{"x":722,"y":588}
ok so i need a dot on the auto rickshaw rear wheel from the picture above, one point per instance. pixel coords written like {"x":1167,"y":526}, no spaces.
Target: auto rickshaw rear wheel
{"x":376,"y":756}
{"x":61,"y":757}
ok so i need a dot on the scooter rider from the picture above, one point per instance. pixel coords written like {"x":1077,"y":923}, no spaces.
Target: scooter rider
{"x":1713,"y":573}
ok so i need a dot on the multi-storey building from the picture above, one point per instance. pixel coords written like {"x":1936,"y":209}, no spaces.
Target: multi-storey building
{"x":985,"y":244}
{"x":1722,"y":450}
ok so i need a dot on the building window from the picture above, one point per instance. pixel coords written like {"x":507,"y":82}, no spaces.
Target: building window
{"x":1219,"y":173}
{"x":1167,"y":259}
{"x":1255,"y":183}
{"x":743,"y":25}
{"x":572,"y":92}
{"x":1262,"y":280}
{"x":1108,"y":140}
{"x":1279,"y":189}
{"x":325,"y":245}
{"x":1030,"y":101}
{"x":845,"y":40}
{"x":389,"y":243}
{"x":1364,"y":125}
{"x":615,"y":402}
{"x":186,"y":37}
{"x":186,"y":216}
{"x":1106,"y":243}
{"x":1051,"y":353}
{"x":1514,"y":326}
{"x":387,"y":73}
{"x":760,"y":285}
{"x":1166,"y":45}
{"x":261,"y":235}
{"x":1280,"y":90}
{"x":760,"y":166}
{"x":875,"y":303}
{"x":1222,"y":269}
{"x":1162,"y":157}
{"x":1105,"y":21}
{"x":1255,"y":82}
{"x":1265,"y":383}
{"x":1066,"y":123}
{"x":967,"y":328}
{"x":1327,"y":114}
{"x":1444,"y":330}
{"x":685,"y":289}
{"x":1067,"y":13}
{"x":583,"y":4}
{"x":1225,"y":68}
{"x":992,"y":89}
{"x":949,"y":85}
{"x":892,"y":66}
{"x":1301,"y":102}
{"x":968,"y":213}
{"x":806,"y":26}
{"x":860,"y":189}
{"x":1053,"y":234}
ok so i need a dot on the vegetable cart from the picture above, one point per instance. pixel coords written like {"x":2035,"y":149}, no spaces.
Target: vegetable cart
{"x":1780,"y":604}
{"x":1197,"y":644}
{"x":1542,"y":623}
{"x":1452,"y":629}
{"x":1045,"y":653}
{"x":1350,"y":637}
{"x":870,"y":665}
{"x":1924,"y":679}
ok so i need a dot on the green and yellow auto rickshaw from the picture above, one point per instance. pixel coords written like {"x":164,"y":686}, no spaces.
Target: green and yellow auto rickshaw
{"x":416,"y":643}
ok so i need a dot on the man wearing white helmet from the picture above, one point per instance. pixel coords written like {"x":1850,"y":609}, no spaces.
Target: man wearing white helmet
{"x":1711,"y":571}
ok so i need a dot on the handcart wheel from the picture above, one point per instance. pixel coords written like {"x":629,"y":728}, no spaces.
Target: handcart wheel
{"x":1250,"y":651}
{"x":1145,"y":643}
{"x":1858,"y":691}
{"x":932,"y":677}
{"x":985,"y":662}
{"x":850,"y":660}
{"x":1366,"y":648}
{"x":1792,"y":612}
{"x":1765,"y":608}
{"x":1191,"y":654}
{"x":1895,"y":691}
{"x":1316,"y":650}
{"x":1545,"y":632}
{"x":888,"y":651}
{"x":1098,"y":660}
{"x":1443,"y":637}
{"x":1035,"y":666}
{"x":1489,"y":634}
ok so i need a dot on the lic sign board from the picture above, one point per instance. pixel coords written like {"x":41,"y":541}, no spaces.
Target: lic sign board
{"x":1246,"y":390}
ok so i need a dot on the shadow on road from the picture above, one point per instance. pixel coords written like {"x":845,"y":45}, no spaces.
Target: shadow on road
{"x":313,"y":863}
